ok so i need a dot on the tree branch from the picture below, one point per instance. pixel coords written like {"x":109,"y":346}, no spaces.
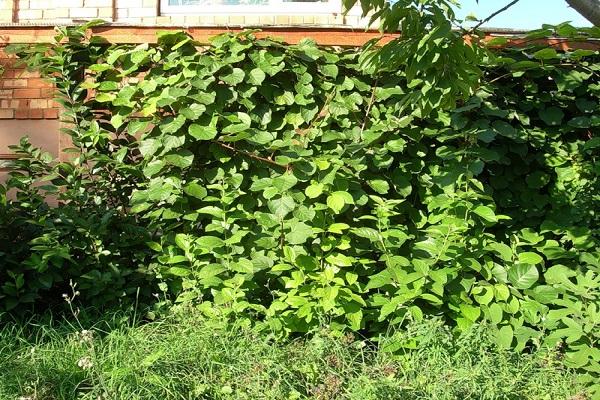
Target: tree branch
{"x":589,"y":9}
{"x":250,"y":155}
{"x":492,"y":15}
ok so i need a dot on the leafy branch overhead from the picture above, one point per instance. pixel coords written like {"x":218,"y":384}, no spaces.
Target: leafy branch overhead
{"x":442,"y":58}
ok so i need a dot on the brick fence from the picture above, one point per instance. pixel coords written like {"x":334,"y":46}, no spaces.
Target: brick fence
{"x":23,"y":94}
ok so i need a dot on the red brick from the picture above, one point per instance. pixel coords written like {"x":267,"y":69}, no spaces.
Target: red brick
{"x":27,"y":93}
{"x":36,"y":113}
{"x":51,"y":113}
{"x":9,"y":73}
{"x":9,"y":103}
{"x":28,"y":74}
{"x":22,"y":113}
{"x":14,"y":83}
{"x":39,"y":103}
{"x":47,"y":93}
{"x":7,"y":114}
{"x":38,"y":83}
{"x":6,"y":94}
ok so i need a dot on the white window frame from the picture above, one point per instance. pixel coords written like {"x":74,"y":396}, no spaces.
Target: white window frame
{"x":274,"y":7}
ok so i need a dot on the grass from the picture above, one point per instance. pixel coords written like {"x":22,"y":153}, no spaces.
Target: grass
{"x":188,"y":357}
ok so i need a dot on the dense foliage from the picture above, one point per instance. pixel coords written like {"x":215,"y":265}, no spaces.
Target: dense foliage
{"x":283,"y":184}
{"x":440,"y":53}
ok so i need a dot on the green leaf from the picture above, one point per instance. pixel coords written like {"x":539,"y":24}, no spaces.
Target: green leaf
{"x":284,"y":182}
{"x":239,"y":122}
{"x":235,"y":77}
{"x":338,"y":228}
{"x":282,"y":206}
{"x":470,"y":312}
{"x":367,"y":233}
{"x":330,"y":70}
{"x":379,"y":185}
{"x":505,"y":337}
{"x":202,"y":132}
{"x":486,"y":213}
{"x":396,"y":145}
{"x":181,"y":159}
{"x":530,"y":258}
{"x":179,"y":271}
{"x":505,"y":129}
{"x":153,"y":168}
{"x":523,"y":276}
{"x":355,"y":319}
{"x":306,"y":262}
{"x":299,"y":233}
{"x":172,"y":125}
{"x":195,"y":190}
{"x":210,"y":242}
{"x":314,"y":190}
{"x":182,"y":241}
{"x":337,"y":200}
{"x":495,"y":313}
{"x":505,"y":251}
{"x":552,"y":115}
{"x":558,"y":274}
{"x":379,"y":280}
{"x":194,"y":111}
{"x":256,"y":76}
{"x":149,"y":146}
{"x":545,"y":54}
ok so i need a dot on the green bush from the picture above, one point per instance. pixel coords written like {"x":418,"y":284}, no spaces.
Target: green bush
{"x":87,"y":241}
{"x":283,"y":184}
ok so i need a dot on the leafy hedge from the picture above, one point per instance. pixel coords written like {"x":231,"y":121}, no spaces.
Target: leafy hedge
{"x":282,"y":184}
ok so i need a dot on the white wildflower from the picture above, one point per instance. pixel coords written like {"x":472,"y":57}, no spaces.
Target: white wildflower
{"x":85,"y":363}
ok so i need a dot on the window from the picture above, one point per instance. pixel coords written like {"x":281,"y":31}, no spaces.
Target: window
{"x":250,"y":6}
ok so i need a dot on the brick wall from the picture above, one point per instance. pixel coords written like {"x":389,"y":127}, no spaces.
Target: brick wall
{"x":23,"y":94}
{"x":26,"y":108}
{"x":147,"y":12}
{"x":56,"y":11}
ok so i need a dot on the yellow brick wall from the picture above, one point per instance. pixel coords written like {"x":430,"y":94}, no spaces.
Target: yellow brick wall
{"x":6,"y":11}
{"x":147,"y":12}
{"x":60,"y":11}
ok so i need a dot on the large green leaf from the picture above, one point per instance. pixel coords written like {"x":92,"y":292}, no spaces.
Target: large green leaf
{"x":523,"y":276}
{"x":282,"y":206}
{"x":202,"y":132}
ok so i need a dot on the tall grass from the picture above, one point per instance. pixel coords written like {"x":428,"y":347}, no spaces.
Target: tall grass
{"x":188,"y":357}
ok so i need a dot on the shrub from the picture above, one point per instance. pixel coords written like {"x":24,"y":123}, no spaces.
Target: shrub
{"x":90,"y":240}
{"x":281,"y":183}
{"x":86,"y":241}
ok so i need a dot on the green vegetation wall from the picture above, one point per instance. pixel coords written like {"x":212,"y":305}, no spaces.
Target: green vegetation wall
{"x":286,"y":186}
